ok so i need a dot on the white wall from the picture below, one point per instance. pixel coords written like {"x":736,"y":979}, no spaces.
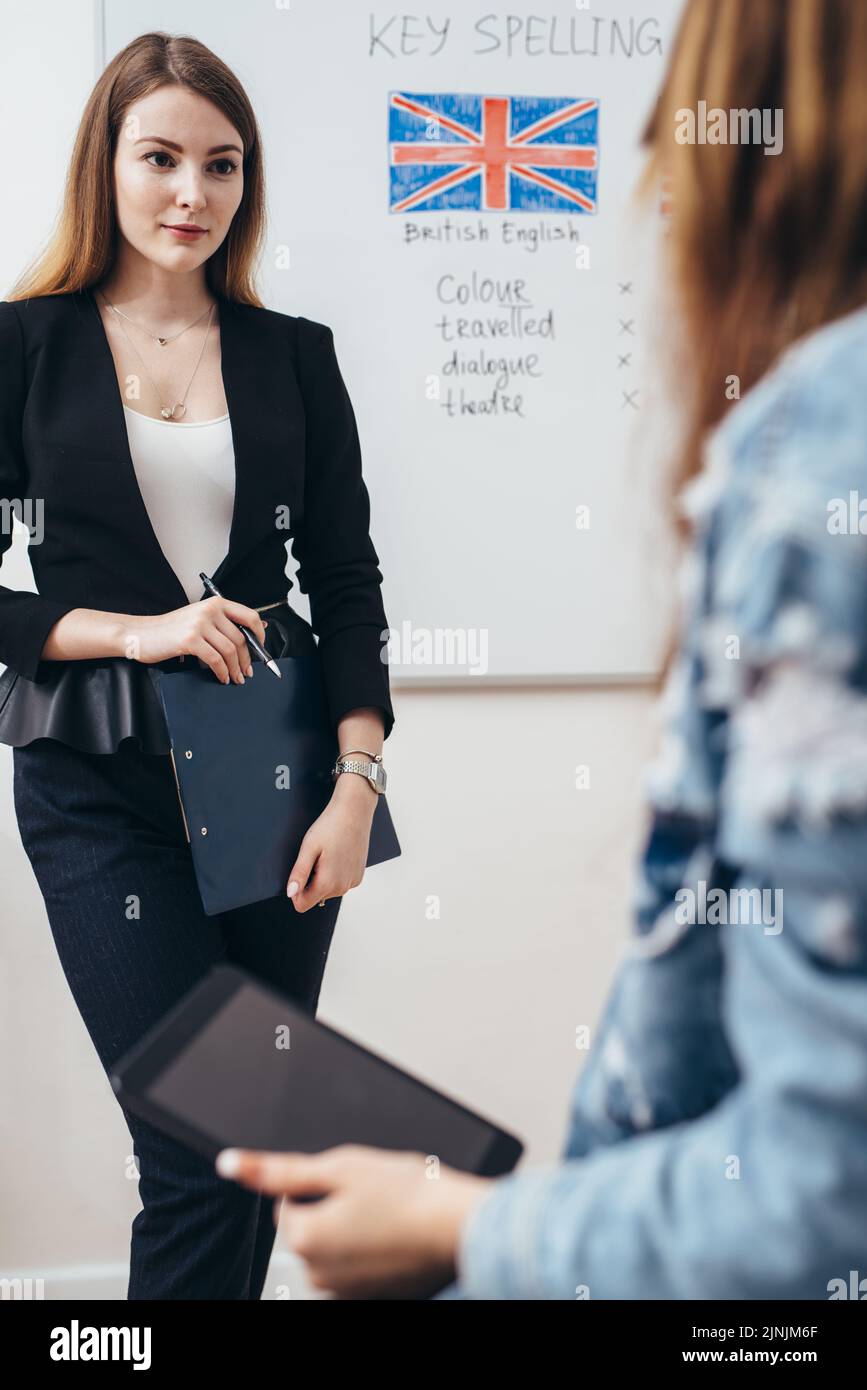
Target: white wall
{"x":532,"y":874}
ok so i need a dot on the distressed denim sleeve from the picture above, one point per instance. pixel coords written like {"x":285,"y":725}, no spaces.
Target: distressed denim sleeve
{"x":764,"y":1195}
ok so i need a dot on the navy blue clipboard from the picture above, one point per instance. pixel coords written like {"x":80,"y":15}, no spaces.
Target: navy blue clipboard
{"x":253,"y":769}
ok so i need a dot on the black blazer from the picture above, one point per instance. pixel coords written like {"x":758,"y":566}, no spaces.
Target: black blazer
{"x":63,"y":439}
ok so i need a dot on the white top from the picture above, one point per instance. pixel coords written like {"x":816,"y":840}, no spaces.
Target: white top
{"x":186,"y":476}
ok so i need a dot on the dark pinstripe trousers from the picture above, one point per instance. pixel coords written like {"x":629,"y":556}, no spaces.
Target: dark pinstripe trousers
{"x":104,"y":835}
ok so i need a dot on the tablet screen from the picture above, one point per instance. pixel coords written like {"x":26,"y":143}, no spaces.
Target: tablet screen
{"x":260,"y":1074}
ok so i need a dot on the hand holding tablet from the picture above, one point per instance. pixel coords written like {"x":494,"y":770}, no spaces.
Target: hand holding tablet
{"x":237,"y":1065}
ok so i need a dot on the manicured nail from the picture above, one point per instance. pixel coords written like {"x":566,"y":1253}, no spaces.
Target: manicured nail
{"x":228,"y":1163}
{"x":249,"y":670}
{"x":292,"y":889}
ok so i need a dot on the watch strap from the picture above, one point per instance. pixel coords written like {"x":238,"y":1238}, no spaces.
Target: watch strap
{"x":372,"y":771}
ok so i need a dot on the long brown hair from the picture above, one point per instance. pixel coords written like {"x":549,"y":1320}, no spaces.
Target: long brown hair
{"x":82,"y":249}
{"x":763,"y":248}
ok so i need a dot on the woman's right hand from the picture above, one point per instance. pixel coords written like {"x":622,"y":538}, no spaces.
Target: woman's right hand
{"x":207,"y":629}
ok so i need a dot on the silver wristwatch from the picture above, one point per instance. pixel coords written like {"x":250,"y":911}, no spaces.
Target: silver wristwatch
{"x":373,"y":769}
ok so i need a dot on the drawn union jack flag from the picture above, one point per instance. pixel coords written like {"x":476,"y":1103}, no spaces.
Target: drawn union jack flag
{"x":494,"y":154}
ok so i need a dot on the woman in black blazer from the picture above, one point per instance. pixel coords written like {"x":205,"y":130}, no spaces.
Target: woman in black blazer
{"x":128,"y":305}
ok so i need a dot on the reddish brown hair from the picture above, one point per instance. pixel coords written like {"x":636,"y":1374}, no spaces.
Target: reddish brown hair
{"x":763,"y":248}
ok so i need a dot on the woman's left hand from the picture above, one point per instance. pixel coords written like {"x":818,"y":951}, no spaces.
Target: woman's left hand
{"x":386,"y":1224}
{"x":333,"y":853}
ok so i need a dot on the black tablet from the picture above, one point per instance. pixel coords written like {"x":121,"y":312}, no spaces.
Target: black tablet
{"x":235,"y":1064}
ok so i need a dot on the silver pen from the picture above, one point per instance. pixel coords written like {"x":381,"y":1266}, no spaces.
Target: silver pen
{"x":254,"y":641}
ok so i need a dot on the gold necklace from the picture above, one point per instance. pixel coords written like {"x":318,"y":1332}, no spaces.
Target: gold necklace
{"x":157,"y":339}
{"x":166,"y":411}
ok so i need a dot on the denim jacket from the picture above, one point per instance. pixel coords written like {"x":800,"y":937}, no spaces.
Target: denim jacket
{"x":717,"y":1140}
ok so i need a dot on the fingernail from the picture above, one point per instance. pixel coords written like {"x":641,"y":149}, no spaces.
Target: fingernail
{"x":292,"y":889}
{"x":228,"y":1162}
{"x":249,"y":670}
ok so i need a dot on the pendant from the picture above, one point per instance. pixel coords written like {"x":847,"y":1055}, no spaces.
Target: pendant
{"x":162,"y":341}
{"x":168,"y":414}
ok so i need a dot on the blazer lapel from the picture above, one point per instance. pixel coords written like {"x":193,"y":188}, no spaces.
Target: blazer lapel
{"x":266,"y":410}
{"x":242,"y":368}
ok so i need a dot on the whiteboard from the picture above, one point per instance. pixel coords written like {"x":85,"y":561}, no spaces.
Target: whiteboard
{"x":506,"y":507}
